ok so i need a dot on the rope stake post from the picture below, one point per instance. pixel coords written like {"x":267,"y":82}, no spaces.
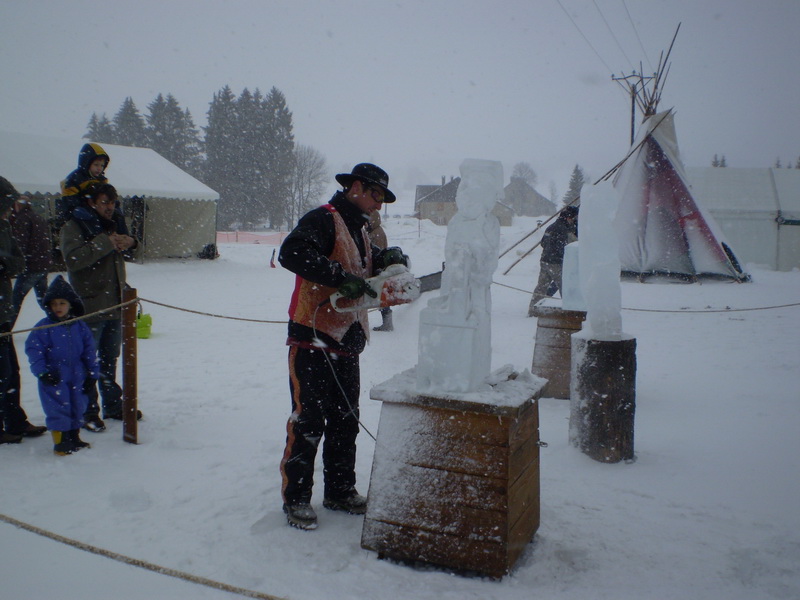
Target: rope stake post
{"x":129,"y":374}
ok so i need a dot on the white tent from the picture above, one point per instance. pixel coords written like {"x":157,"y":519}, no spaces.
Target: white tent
{"x":758,"y":209}
{"x":181,"y":212}
{"x":662,"y":228}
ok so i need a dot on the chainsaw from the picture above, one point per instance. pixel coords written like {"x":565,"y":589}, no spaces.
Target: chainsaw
{"x":394,"y":285}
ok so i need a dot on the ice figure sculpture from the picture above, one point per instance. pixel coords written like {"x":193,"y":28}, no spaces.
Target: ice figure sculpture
{"x":455,"y":328}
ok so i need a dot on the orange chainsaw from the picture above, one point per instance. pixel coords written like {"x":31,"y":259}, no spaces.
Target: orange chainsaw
{"x":394,"y":285}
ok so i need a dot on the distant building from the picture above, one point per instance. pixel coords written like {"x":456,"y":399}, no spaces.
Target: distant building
{"x":438,"y":202}
{"x":526,"y":201}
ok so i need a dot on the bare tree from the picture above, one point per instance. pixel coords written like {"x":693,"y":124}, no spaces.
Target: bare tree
{"x":524,"y":171}
{"x":308,"y":182}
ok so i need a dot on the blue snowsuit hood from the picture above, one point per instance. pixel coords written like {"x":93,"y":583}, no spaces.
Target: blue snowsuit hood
{"x":60,"y":288}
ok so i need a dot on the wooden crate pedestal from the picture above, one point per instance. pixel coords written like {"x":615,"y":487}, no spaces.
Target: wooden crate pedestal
{"x":552,"y":349}
{"x":455,"y":481}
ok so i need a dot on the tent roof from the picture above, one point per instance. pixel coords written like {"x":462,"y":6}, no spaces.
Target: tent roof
{"x":38,"y":164}
{"x":748,"y":190}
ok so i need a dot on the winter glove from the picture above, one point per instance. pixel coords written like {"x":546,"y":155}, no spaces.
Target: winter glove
{"x":355,"y":287}
{"x":88,"y":385}
{"x":392,"y":256}
{"x":50,"y":378}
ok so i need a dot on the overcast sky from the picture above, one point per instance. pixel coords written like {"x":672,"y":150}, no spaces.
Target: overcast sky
{"x":418,"y":85}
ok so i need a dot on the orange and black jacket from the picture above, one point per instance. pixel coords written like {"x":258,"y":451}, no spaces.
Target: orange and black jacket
{"x":307,"y":252}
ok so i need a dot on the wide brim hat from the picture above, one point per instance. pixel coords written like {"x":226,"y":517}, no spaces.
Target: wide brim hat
{"x":368,"y":173}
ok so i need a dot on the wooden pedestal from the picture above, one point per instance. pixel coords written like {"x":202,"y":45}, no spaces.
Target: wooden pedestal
{"x":454,"y":483}
{"x":552,"y":349}
{"x":603,"y":399}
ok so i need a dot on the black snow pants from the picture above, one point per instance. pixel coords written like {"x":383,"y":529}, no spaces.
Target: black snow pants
{"x":320,"y":408}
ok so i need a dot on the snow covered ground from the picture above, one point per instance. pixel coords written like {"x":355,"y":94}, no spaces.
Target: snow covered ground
{"x":709,"y":510}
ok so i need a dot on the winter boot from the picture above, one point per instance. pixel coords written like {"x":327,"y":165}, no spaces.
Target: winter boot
{"x":28,"y":430}
{"x":94,"y":424}
{"x":387,"y":321}
{"x":353,"y":503}
{"x":9,"y":438}
{"x":74,"y":436}
{"x":301,"y":515}
{"x":62,"y":444}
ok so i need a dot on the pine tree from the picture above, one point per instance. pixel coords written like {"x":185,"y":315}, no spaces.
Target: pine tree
{"x":797,"y":164}
{"x":99,"y":130}
{"x":715,"y":161}
{"x":279,"y":176}
{"x":723,"y":162}
{"x":778,"y":164}
{"x":221,"y":152}
{"x":251,"y":139}
{"x":575,"y":185}
{"x":129,"y":125}
{"x":171,"y":132}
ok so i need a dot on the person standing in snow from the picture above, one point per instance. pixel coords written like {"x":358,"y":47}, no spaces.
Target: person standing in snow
{"x":329,"y":250}
{"x":64,"y":360}
{"x":556,"y":237}
{"x":377,"y":236}
{"x":92,"y":164}
{"x":94,"y":243}
{"x":32,"y":235}
{"x":14,"y":423}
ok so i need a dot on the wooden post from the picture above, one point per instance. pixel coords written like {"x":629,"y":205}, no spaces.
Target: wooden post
{"x":552,"y":349}
{"x":129,"y":387}
{"x":603,"y":398}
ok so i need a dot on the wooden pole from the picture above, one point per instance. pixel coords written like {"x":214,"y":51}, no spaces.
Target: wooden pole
{"x":129,"y":387}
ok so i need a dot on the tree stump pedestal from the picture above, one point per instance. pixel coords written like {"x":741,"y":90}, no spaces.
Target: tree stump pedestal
{"x":603,"y":398}
{"x":455,"y":477}
{"x":552,"y":349}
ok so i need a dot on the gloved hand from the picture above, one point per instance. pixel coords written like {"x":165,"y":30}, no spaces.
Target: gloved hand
{"x":392,"y":256}
{"x":50,"y":378}
{"x":88,"y":385}
{"x":355,"y":287}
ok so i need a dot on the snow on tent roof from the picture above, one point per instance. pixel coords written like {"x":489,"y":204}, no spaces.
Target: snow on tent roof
{"x":38,"y":164}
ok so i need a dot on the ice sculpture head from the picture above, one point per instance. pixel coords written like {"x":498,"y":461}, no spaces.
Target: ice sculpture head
{"x":480,"y":188}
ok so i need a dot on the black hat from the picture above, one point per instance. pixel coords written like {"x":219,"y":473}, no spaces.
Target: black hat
{"x":368,"y":173}
{"x":570,"y":212}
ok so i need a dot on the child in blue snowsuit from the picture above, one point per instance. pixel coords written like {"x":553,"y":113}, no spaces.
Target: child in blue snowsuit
{"x":64,"y":360}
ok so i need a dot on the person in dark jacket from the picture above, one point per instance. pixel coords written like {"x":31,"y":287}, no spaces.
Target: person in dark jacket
{"x":94,"y":243}
{"x":32,"y":235}
{"x":555,"y":239}
{"x":14,"y":423}
{"x":64,"y":360}
{"x":329,"y":250}
{"x":92,"y":164}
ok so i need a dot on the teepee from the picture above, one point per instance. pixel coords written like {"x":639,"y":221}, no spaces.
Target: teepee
{"x":662,"y":228}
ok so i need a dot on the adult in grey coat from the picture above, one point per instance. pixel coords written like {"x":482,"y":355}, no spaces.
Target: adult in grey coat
{"x":94,"y":243}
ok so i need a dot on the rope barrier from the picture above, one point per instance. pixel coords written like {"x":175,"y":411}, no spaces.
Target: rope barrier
{"x":217,"y":316}
{"x":136,"y":562}
{"x":207,"y":314}
{"x":686,"y":310}
{"x":68,"y":321}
